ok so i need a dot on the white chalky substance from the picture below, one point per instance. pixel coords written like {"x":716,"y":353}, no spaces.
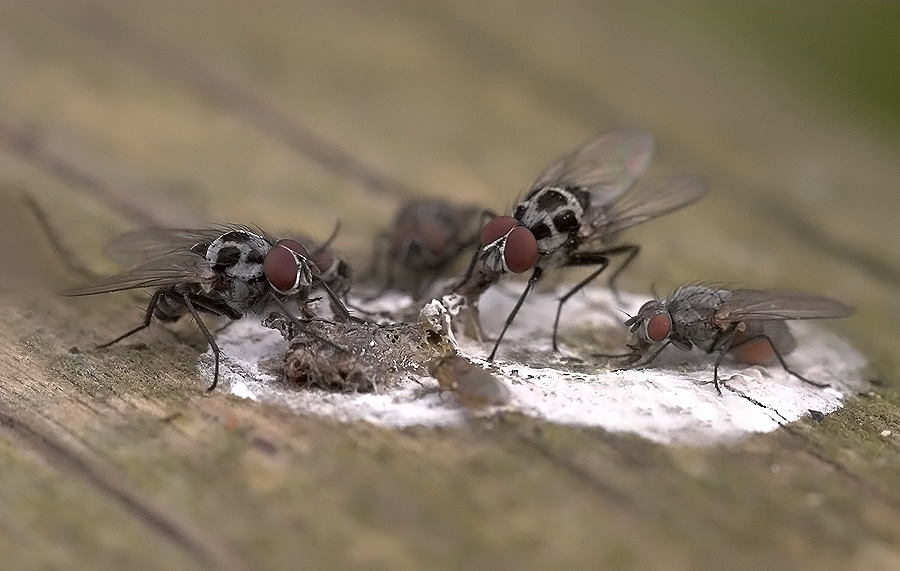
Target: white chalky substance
{"x":672,"y":401}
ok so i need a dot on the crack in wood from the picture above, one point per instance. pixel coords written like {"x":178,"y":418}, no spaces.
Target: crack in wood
{"x":579,"y":473}
{"x":39,"y":437}
{"x":813,"y":450}
{"x":27,"y":145}
{"x":752,"y":400}
{"x":818,"y":239}
{"x":227,"y":94}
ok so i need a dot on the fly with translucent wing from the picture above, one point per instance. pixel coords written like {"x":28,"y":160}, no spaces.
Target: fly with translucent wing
{"x":427,"y":236}
{"x":575,"y":206}
{"x":748,"y":323}
{"x":228,"y":271}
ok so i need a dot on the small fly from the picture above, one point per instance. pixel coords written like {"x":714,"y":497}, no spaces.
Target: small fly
{"x":427,"y":237}
{"x":229,"y":271}
{"x":748,"y":323}
{"x":580,"y":200}
{"x":473,"y":386}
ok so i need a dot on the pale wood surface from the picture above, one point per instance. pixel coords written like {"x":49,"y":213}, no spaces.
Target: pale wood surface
{"x":292,"y":115}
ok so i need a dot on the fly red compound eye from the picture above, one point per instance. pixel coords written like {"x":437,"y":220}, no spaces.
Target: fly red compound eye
{"x":659,"y":326}
{"x":323,"y":260}
{"x":647,"y":305}
{"x":294,"y":246}
{"x":280,"y":267}
{"x":521,"y":251}
{"x":497,"y":228}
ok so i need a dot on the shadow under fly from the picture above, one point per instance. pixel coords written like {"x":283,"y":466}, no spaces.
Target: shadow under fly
{"x":749,"y":324}
{"x":228,"y":271}
{"x":581,"y":199}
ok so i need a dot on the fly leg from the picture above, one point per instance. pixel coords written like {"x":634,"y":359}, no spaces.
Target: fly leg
{"x":780,"y":358}
{"x":722,"y":344}
{"x":207,"y":334}
{"x":579,"y":259}
{"x":631,"y":251}
{"x":475,"y":241}
{"x":327,"y":243}
{"x":336,"y":304}
{"x":467,"y":275}
{"x":66,"y":256}
{"x":512,"y":315}
{"x":635,"y":357}
{"x":380,"y":249}
{"x":148,"y":316}
{"x":591,"y":259}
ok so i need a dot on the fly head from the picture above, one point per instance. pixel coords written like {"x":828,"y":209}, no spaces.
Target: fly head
{"x":287,"y":268}
{"x":651,"y":325}
{"x":334,"y":271}
{"x":507,"y":246}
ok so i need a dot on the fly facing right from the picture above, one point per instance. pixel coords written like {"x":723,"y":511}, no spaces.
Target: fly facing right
{"x":228,"y":271}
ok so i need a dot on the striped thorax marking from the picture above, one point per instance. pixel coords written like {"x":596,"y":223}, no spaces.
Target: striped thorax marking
{"x":552,"y":214}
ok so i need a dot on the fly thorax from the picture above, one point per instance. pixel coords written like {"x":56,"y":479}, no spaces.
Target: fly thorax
{"x":693,"y":309}
{"x":415,"y":255}
{"x":423,"y":243}
{"x":245,"y":296}
{"x":554,"y":216}
{"x":238,"y":255}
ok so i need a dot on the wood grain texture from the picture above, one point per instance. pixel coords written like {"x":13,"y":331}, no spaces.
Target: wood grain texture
{"x":114,"y":116}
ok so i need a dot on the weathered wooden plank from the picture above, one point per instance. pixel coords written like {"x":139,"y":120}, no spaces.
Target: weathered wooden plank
{"x":105,"y":125}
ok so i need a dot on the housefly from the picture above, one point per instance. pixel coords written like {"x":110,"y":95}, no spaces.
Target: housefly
{"x":427,"y":236}
{"x":575,"y":206}
{"x":228,"y":271}
{"x":748,"y":323}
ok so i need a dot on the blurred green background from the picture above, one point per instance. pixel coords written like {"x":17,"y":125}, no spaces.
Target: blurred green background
{"x":848,"y":51}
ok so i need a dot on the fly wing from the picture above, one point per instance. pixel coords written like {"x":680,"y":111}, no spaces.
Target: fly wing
{"x":151,"y":243}
{"x":606,"y":166}
{"x":751,"y":304}
{"x":646,"y":202}
{"x":174,"y":268}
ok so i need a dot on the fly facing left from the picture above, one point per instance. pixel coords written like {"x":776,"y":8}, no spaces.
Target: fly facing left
{"x":569,"y":215}
{"x":228,"y":271}
{"x":749,"y":324}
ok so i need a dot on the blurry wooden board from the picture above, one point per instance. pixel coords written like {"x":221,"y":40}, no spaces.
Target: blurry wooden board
{"x":291,"y":116}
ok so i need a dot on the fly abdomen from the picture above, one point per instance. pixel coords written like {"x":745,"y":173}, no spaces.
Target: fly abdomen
{"x":169,"y":308}
{"x":754,"y":345}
